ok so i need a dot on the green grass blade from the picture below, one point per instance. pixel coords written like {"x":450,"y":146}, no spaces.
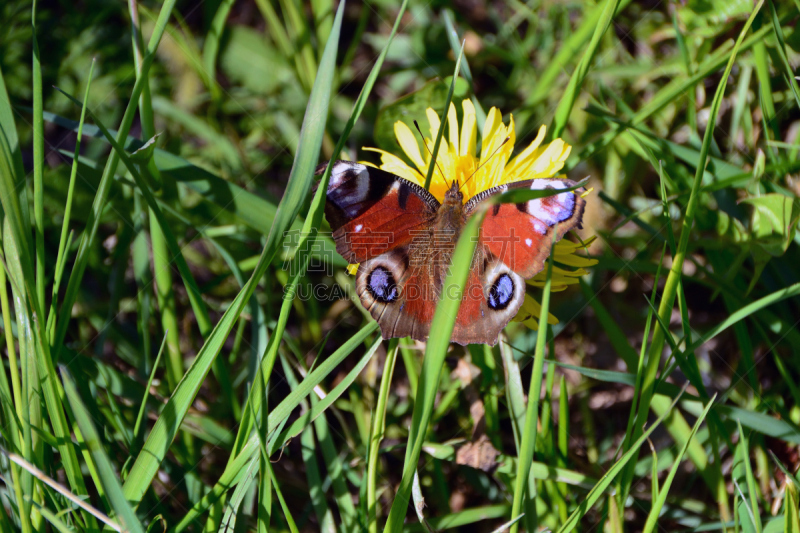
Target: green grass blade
{"x":675,"y":272}
{"x":211,"y":46}
{"x":563,"y":444}
{"x":193,"y":291}
{"x":16,"y":224}
{"x":791,"y":516}
{"x":528,"y":444}
{"x":28,"y":408}
{"x":53,"y":519}
{"x":161,"y":242}
{"x":164,"y":248}
{"x":335,"y":469}
{"x":297,"y":26}
{"x":38,"y":164}
{"x":316,"y":493}
{"x":455,"y":46}
{"x":515,"y":393}
{"x":611,"y":327}
{"x":281,"y":413}
{"x":142,"y":408}
{"x":62,"y":243}
{"x":378,"y":426}
{"x":309,"y":234}
{"x":285,"y":508}
{"x":108,"y":477}
{"x":232,"y":507}
{"x":168,"y":423}
{"x":103,"y":189}
{"x":781,"y":50}
{"x":443,"y":120}
{"x":748,"y":310}
{"x":441,"y":330}
{"x":567,"y":101}
{"x":658,"y":503}
{"x":743,"y":453}
{"x":599,"y":489}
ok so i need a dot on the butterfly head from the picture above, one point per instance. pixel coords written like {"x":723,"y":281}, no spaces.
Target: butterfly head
{"x":453,"y":195}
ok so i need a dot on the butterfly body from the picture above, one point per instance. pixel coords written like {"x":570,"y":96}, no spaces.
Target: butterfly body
{"x":433,"y":249}
{"x":403,"y":239}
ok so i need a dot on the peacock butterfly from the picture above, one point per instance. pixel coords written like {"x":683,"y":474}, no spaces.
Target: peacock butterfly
{"x":403,"y":239}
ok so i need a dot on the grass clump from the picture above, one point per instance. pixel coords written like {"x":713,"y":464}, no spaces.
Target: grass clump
{"x":159,"y":203}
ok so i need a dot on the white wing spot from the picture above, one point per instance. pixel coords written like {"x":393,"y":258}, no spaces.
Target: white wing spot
{"x":340,"y":170}
{"x":359,"y":227}
{"x":539,"y":228}
{"x":529,"y":242}
{"x":564,"y":203}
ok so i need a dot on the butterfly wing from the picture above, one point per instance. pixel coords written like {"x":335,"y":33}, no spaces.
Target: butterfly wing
{"x":402,"y":294}
{"x":375,"y":217}
{"x":399,"y":293}
{"x":492,"y":296}
{"x":520,"y":235}
{"x":372,"y":211}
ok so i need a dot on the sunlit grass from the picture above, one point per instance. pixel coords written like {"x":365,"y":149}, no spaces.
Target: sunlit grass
{"x":156,"y":373}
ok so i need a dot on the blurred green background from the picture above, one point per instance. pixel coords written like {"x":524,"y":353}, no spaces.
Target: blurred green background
{"x":229,"y":88}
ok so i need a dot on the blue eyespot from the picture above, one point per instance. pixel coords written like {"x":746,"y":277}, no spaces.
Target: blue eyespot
{"x":501,"y":293}
{"x":381,"y":285}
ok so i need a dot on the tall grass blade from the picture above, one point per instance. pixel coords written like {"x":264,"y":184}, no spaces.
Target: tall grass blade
{"x":308,"y":236}
{"x":529,"y":433}
{"x":38,"y":164}
{"x":378,"y":426}
{"x":108,"y":477}
{"x":791,"y":516}
{"x":143,"y":407}
{"x":455,"y":46}
{"x":443,"y":120}
{"x":211,"y":46}
{"x":567,"y":101}
{"x":103,"y":189}
{"x":441,"y":329}
{"x":597,"y":491}
{"x":788,"y":73}
{"x":663,"y":491}
{"x":674,"y":275}
{"x":279,"y":415}
{"x":62,"y":243}
{"x":168,"y":423}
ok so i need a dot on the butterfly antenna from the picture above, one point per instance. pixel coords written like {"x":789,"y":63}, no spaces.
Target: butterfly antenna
{"x":429,"y":151}
{"x":487,"y":160}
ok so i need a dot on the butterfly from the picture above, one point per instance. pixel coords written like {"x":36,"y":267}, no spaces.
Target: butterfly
{"x":403,"y":239}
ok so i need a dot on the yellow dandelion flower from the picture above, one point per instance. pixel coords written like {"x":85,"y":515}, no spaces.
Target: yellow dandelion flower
{"x":457,"y":160}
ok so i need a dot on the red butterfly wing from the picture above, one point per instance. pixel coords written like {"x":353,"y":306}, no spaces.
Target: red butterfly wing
{"x":398,"y":293}
{"x":492,"y":296}
{"x":520,"y":235}
{"x":372,"y":211}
